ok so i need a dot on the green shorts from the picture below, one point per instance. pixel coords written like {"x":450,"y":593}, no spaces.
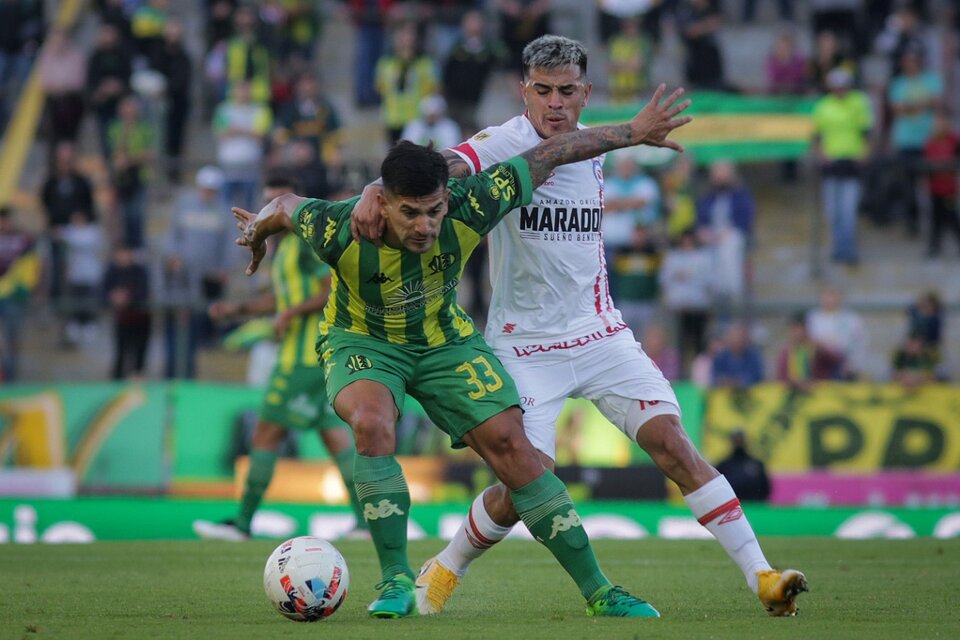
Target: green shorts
{"x":298,"y":400}
{"x":459,"y":385}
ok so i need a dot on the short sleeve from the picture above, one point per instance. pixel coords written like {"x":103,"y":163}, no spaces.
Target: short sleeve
{"x":490,"y":146}
{"x":481,"y":201}
{"x":325,"y":226}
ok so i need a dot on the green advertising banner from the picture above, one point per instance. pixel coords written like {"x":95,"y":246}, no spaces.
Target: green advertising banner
{"x":89,"y":519}
{"x":109,"y":435}
{"x":728,"y":126}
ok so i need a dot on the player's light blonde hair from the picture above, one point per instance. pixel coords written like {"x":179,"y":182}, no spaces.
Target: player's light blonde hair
{"x":553,"y":52}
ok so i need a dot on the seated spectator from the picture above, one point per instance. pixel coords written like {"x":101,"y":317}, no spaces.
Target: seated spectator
{"x":800,"y":362}
{"x":840,"y":332}
{"x":925,"y":319}
{"x":913,"y":363}
{"x":433,"y":126}
{"x":738,"y":363}
{"x":746,"y":474}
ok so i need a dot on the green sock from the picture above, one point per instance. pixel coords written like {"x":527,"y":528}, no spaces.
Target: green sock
{"x":546,"y":508}
{"x":259,"y":475}
{"x":382,"y":490}
{"x":344,"y":461}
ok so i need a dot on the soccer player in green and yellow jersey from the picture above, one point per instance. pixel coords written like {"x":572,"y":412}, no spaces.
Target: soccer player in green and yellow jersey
{"x":295,"y":397}
{"x":392,"y":326}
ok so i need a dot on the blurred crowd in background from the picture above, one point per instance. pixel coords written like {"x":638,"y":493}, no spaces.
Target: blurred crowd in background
{"x":679,"y":238}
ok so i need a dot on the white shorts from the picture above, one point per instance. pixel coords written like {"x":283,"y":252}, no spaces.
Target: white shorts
{"x":613,"y":372}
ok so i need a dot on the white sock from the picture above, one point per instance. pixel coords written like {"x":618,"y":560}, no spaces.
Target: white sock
{"x":478,"y":533}
{"x":717,"y":508}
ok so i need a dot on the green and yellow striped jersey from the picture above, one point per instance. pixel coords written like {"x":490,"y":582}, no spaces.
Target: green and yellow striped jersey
{"x":398,"y":295}
{"x":297,"y":275}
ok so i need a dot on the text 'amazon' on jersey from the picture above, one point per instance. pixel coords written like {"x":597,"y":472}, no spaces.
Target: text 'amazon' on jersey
{"x":546,"y":258}
{"x":398,"y":295}
{"x":297,"y":275}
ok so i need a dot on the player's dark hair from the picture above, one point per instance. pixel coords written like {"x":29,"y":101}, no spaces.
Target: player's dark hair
{"x":282,"y":181}
{"x":413,"y":170}
{"x":552,"y":52}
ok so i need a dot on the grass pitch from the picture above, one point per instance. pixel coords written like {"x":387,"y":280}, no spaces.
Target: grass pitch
{"x":205,"y":590}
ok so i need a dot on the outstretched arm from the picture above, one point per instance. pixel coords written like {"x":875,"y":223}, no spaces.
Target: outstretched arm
{"x":272,"y":219}
{"x":650,"y":126}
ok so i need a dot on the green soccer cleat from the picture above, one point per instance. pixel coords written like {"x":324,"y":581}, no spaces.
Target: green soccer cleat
{"x":397,"y":599}
{"x":615,"y":602}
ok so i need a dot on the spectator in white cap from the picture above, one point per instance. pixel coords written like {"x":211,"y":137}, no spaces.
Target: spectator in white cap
{"x":433,"y":125}
{"x":198,"y":254}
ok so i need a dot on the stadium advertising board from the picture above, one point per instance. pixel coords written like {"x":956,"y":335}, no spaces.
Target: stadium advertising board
{"x":846,"y":443}
{"x":105,"y":437}
{"x":90,"y":519}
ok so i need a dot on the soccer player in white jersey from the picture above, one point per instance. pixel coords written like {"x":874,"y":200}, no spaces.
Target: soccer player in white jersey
{"x":556,"y":330}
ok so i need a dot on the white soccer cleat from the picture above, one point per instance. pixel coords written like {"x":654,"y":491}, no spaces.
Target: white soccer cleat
{"x":435,"y":585}
{"x":778,"y":591}
{"x":226,"y":531}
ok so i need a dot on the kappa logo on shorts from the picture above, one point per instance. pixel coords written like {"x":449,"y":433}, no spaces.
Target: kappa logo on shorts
{"x":357,"y":362}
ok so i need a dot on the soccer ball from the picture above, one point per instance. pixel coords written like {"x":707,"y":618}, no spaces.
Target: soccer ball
{"x":306,"y":579}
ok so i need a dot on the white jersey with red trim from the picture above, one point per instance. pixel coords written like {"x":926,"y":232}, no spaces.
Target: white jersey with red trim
{"x":550,"y":288}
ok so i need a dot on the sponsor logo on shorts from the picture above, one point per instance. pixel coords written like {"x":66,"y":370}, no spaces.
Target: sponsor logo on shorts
{"x":358,"y":362}
{"x":596,"y":336}
{"x":527,"y":401}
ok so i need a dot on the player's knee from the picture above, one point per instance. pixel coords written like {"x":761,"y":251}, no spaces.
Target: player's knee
{"x":268,"y":436}
{"x":373,"y":431}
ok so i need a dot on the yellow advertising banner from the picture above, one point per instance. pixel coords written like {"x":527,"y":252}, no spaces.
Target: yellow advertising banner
{"x":858,"y":427}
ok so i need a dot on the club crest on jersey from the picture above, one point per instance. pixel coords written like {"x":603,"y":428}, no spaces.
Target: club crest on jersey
{"x":358,"y":362}
{"x":442,"y":262}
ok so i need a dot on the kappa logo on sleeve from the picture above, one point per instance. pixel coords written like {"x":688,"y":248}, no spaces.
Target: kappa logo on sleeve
{"x":329,"y":231}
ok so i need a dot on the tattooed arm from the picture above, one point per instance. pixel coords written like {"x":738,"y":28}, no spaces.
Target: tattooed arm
{"x":455,"y":164}
{"x":650,"y":126}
